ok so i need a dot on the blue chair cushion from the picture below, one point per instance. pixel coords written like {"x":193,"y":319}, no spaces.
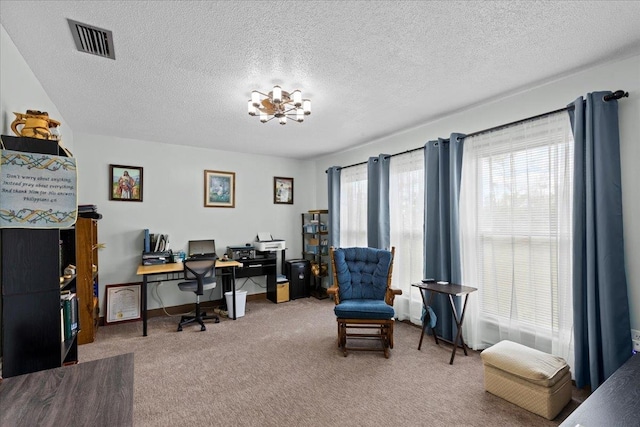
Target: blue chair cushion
{"x":362,"y":273}
{"x":364,"y":309}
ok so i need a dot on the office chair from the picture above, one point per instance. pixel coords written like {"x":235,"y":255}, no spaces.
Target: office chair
{"x":203,"y":270}
{"x":363,"y":295}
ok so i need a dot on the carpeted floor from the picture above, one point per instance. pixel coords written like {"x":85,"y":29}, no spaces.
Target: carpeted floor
{"x":279,"y":365}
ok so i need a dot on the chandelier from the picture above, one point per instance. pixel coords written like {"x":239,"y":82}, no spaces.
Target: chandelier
{"x":279,"y":104}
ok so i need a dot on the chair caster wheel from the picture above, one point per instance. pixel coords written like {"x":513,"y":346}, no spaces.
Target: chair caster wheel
{"x":203,"y":328}
{"x":179,"y":328}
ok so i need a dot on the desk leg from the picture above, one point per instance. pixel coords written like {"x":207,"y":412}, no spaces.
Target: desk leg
{"x":459,"y":327}
{"x":424,"y":304}
{"x":144,"y":305}
{"x":233,"y":291}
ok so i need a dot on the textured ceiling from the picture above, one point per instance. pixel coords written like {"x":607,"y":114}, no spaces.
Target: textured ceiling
{"x":184,"y":70}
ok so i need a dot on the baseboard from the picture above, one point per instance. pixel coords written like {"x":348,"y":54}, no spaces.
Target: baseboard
{"x":179,"y":309}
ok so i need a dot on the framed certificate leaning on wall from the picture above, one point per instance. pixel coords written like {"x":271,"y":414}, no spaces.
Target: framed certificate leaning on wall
{"x":123,"y":303}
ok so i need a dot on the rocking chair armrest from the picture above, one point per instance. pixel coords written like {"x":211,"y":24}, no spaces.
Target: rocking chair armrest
{"x":334,"y":290}
{"x":391,"y":295}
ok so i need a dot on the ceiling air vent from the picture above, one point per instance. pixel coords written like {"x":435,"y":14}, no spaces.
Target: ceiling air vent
{"x":94,"y":40}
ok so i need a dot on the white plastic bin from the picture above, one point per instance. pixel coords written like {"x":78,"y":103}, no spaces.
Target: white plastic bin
{"x":241,"y":301}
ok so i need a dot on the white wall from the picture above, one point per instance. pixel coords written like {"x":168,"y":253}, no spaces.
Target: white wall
{"x":173,"y":203}
{"x":21,"y":91}
{"x":623,"y":74}
{"x":173,"y":189}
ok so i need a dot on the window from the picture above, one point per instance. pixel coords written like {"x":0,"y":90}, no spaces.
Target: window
{"x":353,"y":206}
{"x":406,"y":210}
{"x":515,"y":231}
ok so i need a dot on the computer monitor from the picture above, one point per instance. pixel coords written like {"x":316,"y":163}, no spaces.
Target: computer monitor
{"x":202,"y":248}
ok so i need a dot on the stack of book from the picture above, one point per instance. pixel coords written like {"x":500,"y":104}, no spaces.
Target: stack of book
{"x":89,"y":211}
{"x":68,"y":315}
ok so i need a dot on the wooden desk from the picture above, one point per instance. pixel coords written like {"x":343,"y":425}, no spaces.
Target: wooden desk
{"x":174,"y":271}
{"x":614,"y":403}
{"x":451,"y":290}
{"x":97,"y":393}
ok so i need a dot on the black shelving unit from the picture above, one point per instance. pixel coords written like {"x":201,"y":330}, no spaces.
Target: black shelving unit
{"x":31,"y":263}
{"x":315,"y":248}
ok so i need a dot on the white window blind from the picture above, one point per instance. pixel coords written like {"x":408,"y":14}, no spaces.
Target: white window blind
{"x":406,"y":211}
{"x":515,"y":229}
{"x":353,"y":206}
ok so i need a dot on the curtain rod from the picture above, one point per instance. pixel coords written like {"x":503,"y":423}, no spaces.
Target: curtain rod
{"x":615,"y":95}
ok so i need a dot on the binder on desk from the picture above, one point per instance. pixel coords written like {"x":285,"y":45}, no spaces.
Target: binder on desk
{"x":151,"y":241}
{"x":147,"y":241}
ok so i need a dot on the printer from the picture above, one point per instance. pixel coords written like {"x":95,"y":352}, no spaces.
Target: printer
{"x":240,"y":253}
{"x":266,"y":243}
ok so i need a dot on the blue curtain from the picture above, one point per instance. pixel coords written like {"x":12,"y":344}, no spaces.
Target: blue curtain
{"x":378,"y":223}
{"x":333,"y":186}
{"x":600,"y":302}
{"x":442,"y":173}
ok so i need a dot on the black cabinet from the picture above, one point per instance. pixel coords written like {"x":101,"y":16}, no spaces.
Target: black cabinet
{"x":298,"y":272}
{"x":30,"y":270}
{"x":264,"y":264}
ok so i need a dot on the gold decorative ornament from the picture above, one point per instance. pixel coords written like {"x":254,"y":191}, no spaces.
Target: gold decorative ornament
{"x":319,"y":269}
{"x":36,"y":124}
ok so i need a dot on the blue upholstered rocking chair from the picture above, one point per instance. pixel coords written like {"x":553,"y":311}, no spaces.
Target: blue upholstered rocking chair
{"x":363,"y":296}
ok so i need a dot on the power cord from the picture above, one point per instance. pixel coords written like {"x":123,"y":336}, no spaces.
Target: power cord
{"x":253,"y":281}
{"x":155,"y":294}
{"x":159,"y":300}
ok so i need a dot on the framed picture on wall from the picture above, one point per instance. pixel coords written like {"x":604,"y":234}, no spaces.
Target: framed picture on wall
{"x":282,"y":190}
{"x":219,"y":189}
{"x":125,"y":183}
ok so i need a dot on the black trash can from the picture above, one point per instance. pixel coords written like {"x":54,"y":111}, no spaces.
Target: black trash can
{"x":298,"y":271}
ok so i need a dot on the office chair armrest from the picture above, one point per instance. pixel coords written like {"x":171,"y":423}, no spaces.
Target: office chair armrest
{"x":334,"y":290}
{"x":391,"y":295}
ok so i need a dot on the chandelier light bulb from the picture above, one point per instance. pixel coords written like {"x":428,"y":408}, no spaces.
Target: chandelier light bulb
{"x":306,"y":106}
{"x":255,"y":98}
{"x":276,"y":96}
{"x":263,"y":117}
{"x":251,"y":108}
{"x":300,"y":115}
{"x":283,"y":120}
{"x":297,"y":98}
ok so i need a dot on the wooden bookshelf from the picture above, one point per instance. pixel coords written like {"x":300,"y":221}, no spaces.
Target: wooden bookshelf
{"x":87,"y":278}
